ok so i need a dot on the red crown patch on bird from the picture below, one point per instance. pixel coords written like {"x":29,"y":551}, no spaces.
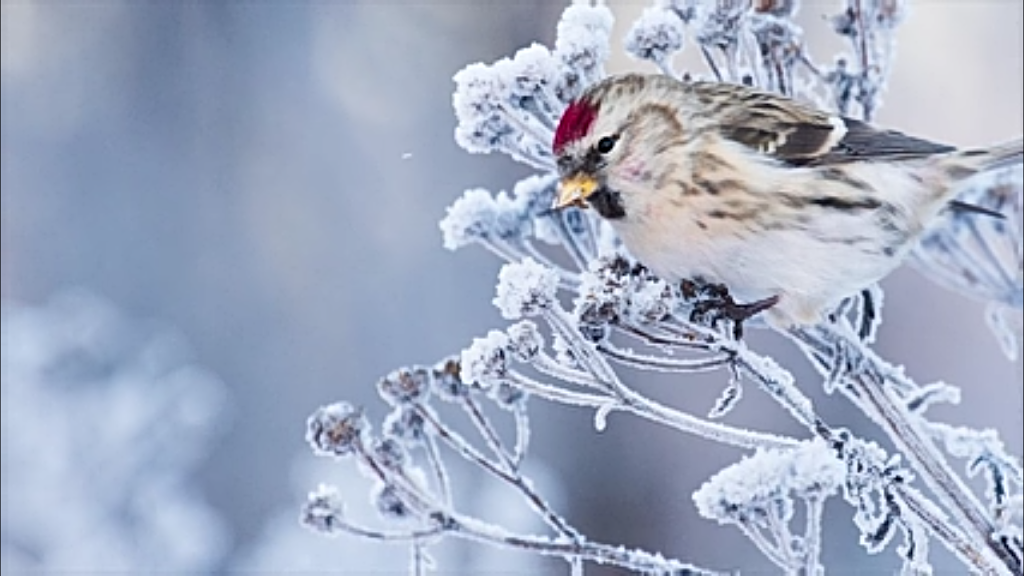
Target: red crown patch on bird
{"x":575,"y":124}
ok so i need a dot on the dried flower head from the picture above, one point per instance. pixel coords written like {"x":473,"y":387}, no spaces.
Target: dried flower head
{"x":525,"y":288}
{"x":525,"y":340}
{"x":486,"y":359}
{"x":448,"y":382}
{"x":324,"y":510}
{"x":336,"y":429}
{"x":656,"y":36}
{"x":405,"y":385}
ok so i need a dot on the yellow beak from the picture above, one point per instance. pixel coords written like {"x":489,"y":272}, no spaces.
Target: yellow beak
{"x":574,"y":191}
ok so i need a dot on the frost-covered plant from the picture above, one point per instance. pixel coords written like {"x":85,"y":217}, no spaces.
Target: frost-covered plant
{"x":103,"y":424}
{"x":577,"y":326}
{"x":285,"y":547}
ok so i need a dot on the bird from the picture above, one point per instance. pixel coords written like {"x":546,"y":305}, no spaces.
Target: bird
{"x":789,"y":207}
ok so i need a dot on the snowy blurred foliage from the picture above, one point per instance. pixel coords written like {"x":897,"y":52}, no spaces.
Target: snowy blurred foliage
{"x":104,"y":422}
{"x":584,"y":311}
{"x":984,"y":257}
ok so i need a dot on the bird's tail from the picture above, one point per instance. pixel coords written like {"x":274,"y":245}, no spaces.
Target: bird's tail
{"x":960,"y":165}
{"x":966,"y":163}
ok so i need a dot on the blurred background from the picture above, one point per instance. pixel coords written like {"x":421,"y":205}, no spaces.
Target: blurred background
{"x":234,"y":205}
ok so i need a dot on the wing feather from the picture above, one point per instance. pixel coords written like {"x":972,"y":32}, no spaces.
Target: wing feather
{"x":800,"y":134}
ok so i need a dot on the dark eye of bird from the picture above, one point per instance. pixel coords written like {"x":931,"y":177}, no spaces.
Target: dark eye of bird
{"x":605,"y":145}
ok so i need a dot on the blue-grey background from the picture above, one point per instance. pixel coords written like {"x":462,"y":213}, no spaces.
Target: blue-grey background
{"x":267,"y":177}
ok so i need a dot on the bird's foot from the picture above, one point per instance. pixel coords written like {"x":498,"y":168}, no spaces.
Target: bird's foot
{"x":716,"y":304}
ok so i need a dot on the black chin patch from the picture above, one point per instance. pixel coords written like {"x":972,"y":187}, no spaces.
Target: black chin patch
{"x":608,"y":203}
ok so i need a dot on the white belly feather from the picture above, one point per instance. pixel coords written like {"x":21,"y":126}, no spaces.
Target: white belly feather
{"x":811,"y":256}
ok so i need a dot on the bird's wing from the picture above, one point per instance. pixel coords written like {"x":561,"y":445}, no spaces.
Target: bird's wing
{"x":800,"y":134}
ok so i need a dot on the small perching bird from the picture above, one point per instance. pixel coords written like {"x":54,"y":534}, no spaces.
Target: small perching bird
{"x":791,"y":208}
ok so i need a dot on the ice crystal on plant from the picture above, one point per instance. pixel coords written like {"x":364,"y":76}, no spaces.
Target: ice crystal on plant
{"x":336,"y":429}
{"x":389,"y":502}
{"x":744,"y":491}
{"x":651,"y":301}
{"x":486,"y":359}
{"x":582,"y":42}
{"x":507,"y":395}
{"x":599,"y":301}
{"x":767,"y":481}
{"x":656,"y":36}
{"x":405,"y":424}
{"x":478,"y":216}
{"x":482,"y":125}
{"x":525,"y":340}
{"x":406,"y":385}
{"x":814,"y":471}
{"x":525,"y":288}
{"x":324,"y":510}
{"x":532,"y":72}
{"x":564,"y":353}
{"x":759,"y":494}
{"x":390,"y":452}
{"x":719,"y":23}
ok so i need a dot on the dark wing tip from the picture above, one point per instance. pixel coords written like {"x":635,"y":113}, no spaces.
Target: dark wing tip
{"x":865,"y":141}
{"x":575,"y":124}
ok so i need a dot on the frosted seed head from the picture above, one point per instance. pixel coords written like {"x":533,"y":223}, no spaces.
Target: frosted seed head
{"x":448,"y":383}
{"x":405,"y":385}
{"x":324,"y":510}
{"x":486,"y":359}
{"x":406,"y":424}
{"x":389,"y":452}
{"x":525,"y":288}
{"x":656,"y":35}
{"x":525,"y":340}
{"x":507,"y":395}
{"x":389,"y":503}
{"x":336,"y":429}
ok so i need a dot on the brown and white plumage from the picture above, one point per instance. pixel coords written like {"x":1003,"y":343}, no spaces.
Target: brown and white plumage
{"x":767,"y":195}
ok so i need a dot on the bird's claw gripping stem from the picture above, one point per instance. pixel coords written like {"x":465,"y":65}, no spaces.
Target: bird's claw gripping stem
{"x":716,"y":304}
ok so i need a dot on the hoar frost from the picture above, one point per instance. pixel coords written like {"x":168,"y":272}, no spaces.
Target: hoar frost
{"x":525,"y":288}
{"x":485,"y":360}
{"x":336,"y":429}
{"x":766,"y":479}
{"x":656,"y":36}
{"x":324,"y":510}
